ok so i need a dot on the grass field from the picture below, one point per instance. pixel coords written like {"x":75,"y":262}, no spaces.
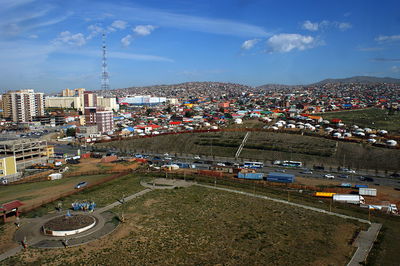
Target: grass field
{"x":267,"y":146}
{"x":102,"y":194}
{"x":371,"y":117}
{"x":201,"y":226}
{"x":35,"y":192}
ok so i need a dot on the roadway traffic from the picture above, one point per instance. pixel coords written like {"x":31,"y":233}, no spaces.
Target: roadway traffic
{"x":205,"y":162}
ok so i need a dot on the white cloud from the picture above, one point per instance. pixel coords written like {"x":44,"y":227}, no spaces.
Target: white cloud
{"x":118,"y":55}
{"x":141,"y":57}
{"x":285,"y":42}
{"x":182,"y":21}
{"x":126,"y":41}
{"x":317,"y":26}
{"x":344,"y":26}
{"x":395,"y":69}
{"x":387,"y":38}
{"x":94,"y":31}
{"x":308,"y":25}
{"x":119,"y":24}
{"x":144,"y":30}
{"x":249,"y":44}
{"x":67,"y":37}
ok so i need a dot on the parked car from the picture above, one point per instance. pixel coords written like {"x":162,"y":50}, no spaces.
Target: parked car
{"x":329,"y":176}
{"x":221,"y":164}
{"x":343,"y":176}
{"x":197,"y":157}
{"x":81,"y":185}
{"x":280,"y":170}
{"x":361,"y":178}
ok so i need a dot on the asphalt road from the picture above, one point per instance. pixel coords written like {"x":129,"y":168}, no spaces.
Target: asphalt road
{"x":64,"y":148}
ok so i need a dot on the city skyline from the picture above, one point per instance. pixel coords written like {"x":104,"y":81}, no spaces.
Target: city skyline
{"x":51,"y":45}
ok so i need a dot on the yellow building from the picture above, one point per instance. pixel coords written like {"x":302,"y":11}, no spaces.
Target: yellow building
{"x":49,"y":151}
{"x":8,"y":165}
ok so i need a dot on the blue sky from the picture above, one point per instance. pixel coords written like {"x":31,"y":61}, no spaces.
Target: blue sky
{"x":51,"y":45}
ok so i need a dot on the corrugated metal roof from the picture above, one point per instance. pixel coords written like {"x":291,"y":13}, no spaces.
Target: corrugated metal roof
{"x":10,"y":205}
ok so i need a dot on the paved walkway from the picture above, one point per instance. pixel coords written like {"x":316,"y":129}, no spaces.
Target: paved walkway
{"x":364,"y":242}
{"x":163,"y":183}
{"x":10,"y":252}
{"x":117,"y":203}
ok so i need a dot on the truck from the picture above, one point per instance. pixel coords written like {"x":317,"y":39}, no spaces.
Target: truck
{"x":367,"y":191}
{"x":253,"y":176}
{"x":280,"y":177}
{"x":324,"y":194}
{"x":349,"y":198}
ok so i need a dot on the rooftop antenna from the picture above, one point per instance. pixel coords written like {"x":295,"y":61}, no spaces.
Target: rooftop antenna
{"x":105,"y":81}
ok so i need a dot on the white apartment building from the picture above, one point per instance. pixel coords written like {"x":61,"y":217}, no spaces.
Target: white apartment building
{"x":21,"y":106}
{"x":104,"y":121}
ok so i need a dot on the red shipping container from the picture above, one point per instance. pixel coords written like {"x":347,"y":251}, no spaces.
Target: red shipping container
{"x":109,"y":159}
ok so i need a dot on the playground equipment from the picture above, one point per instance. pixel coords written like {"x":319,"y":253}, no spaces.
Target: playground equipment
{"x":84,"y":206}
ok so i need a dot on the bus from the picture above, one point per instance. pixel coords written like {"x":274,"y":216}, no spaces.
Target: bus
{"x":253,"y":165}
{"x":292,"y":164}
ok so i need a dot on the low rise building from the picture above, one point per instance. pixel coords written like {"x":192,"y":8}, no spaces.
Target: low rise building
{"x":25,"y":151}
{"x":8,"y":166}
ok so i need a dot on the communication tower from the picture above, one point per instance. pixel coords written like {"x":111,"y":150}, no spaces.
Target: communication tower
{"x":105,"y":81}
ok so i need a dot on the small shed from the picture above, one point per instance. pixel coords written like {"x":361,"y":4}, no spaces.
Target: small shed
{"x":10,"y":207}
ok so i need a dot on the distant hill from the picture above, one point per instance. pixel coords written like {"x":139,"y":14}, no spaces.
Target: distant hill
{"x":360,"y":79}
{"x":277,"y":86}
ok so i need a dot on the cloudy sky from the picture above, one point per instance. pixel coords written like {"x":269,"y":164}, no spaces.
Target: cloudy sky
{"x":51,"y":45}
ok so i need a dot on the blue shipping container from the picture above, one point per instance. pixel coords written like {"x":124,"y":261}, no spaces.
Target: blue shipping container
{"x":280,"y":178}
{"x":253,"y":176}
{"x":359,"y":186}
{"x":183,"y":165}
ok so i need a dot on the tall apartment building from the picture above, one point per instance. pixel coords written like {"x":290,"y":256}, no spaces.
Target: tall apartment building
{"x":21,"y":106}
{"x":68,"y":93}
{"x":90,"y":116}
{"x":89,"y":99}
{"x":104,"y":121}
{"x":72,"y":92}
{"x":107,"y":103}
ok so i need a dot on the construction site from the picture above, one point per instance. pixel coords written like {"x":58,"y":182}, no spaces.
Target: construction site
{"x":26,"y":151}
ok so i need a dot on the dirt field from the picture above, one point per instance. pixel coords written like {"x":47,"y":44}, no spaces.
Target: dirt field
{"x":384,"y":193}
{"x":6,"y":236}
{"x":35,"y":193}
{"x":200,"y":226}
